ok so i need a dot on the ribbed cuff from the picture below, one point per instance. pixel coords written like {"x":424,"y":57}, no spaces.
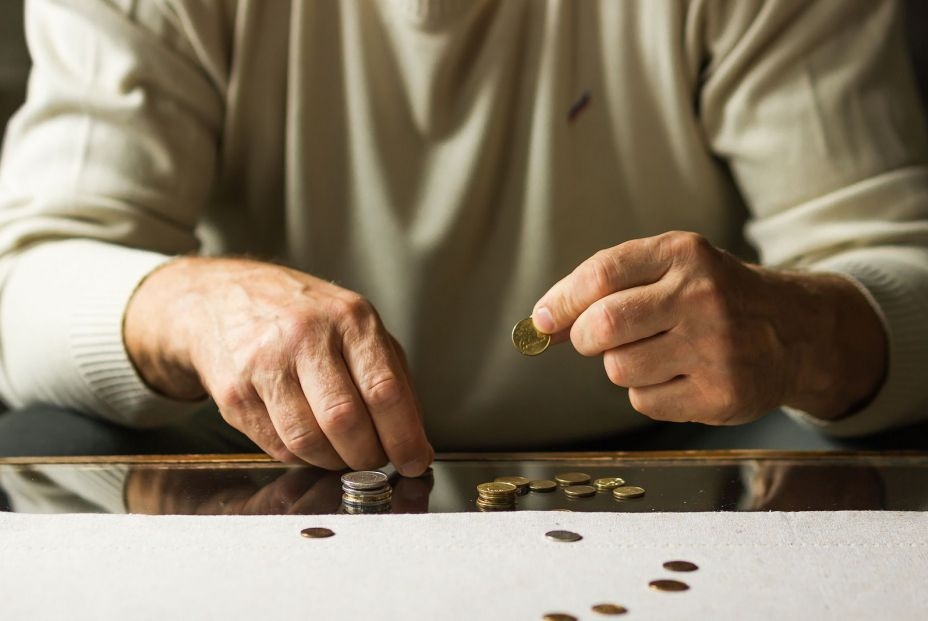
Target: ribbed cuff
{"x":903,"y":310}
{"x":96,"y":342}
{"x":61,"y":320}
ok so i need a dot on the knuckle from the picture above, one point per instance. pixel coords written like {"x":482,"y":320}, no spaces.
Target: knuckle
{"x":233,"y":396}
{"x":355,"y":308}
{"x":615,"y":368}
{"x":599,"y":272}
{"x":385,"y":391}
{"x":303,"y":441}
{"x":338,"y":415}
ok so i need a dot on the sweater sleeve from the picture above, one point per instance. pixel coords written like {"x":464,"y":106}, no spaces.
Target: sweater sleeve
{"x":104,"y":173}
{"x":813,"y":106}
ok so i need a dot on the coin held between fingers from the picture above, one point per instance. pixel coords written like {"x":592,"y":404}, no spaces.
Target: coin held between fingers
{"x":528,"y":340}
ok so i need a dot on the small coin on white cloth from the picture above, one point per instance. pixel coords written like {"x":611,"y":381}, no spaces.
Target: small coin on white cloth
{"x":680,"y":566}
{"x":364,"y":479}
{"x":317,"y":532}
{"x":572,"y":478}
{"x":563,"y":535}
{"x":668,"y":585}
{"x":559,"y":616}
{"x":609,"y":609}
{"x":628,"y":491}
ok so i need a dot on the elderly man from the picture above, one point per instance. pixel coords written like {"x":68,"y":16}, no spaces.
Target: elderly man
{"x":210,"y":199}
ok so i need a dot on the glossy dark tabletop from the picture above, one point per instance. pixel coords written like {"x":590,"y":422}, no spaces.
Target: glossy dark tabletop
{"x":674,"y":481}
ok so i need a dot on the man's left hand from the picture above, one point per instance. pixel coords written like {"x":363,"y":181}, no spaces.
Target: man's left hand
{"x":698,"y":335}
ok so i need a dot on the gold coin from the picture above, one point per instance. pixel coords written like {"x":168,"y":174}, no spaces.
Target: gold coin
{"x":483,"y":506}
{"x":542,"y":485}
{"x":680,"y":566}
{"x":521,"y":483}
{"x":580,"y":491}
{"x":563,"y":535}
{"x":609,"y":609}
{"x":607,"y":483}
{"x":572,"y":478}
{"x":357,"y":498}
{"x":317,"y":532}
{"x":558,"y":616}
{"x":628,"y":491}
{"x":668,"y":585}
{"x":528,"y":340}
{"x":496,"y":489}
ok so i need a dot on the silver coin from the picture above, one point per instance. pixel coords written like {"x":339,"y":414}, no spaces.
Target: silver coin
{"x":562,"y":535}
{"x":376,"y":491}
{"x":364,"y":479}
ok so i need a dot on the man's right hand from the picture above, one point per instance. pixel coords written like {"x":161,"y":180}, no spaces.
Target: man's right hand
{"x":303,"y":367}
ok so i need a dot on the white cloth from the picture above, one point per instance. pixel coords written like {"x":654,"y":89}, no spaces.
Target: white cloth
{"x":823,"y":566}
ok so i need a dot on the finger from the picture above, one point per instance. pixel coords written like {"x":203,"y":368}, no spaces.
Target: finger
{"x":338,"y":409}
{"x":649,"y":362}
{"x":631,"y":264}
{"x":671,"y":401}
{"x":625,"y":317}
{"x":248,"y":415}
{"x":385,"y":388}
{"x":293,"y":420}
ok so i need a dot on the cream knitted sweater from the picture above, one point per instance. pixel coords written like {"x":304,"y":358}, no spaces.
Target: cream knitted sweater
{"x":450,"y":160}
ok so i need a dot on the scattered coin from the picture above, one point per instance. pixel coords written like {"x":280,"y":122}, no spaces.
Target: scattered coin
{"x":607,"y":483}
{"x":364,"y":479}
{"x":528,"y":340}
{"x":317,"y":532}
{"x":542,"y":485}
{"x":521,"y":483}
{"x":668,"y":585}
{"x":580,"y":491}
{"x":609,"y":609}
{"x":562,"y":535}
{"x":680,"y":566}
{"x":572,"y":478}
{"x":558,"y":616}
{"x":628,"y":491}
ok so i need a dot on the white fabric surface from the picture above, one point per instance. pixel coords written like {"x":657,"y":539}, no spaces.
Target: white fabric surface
{"x":845,"y":565}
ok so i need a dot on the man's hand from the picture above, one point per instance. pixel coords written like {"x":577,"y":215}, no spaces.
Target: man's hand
{"x":303,"y":367}
{"x":697,"y":335}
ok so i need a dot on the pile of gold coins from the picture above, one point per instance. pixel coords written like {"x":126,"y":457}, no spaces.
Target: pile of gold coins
{"x":366,"y":491}
{"x":496,"y":496}
{"x":501,"y":494}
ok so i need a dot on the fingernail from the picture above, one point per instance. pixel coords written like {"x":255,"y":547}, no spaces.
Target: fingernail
{"x":413,"y":468}
{"x":543,"y":320}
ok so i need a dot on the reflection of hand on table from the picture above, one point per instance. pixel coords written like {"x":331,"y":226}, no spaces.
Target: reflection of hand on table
{"x":697,"y":335}
{"x":796,"y":487}
{"x":299,"y":491}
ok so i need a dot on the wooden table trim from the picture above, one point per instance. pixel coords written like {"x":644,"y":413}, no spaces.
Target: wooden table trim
{"x":637,"y":456}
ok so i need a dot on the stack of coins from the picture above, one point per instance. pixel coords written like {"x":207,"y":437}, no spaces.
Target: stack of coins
{"x":496,"y":496}
{"x":366,"y":490}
